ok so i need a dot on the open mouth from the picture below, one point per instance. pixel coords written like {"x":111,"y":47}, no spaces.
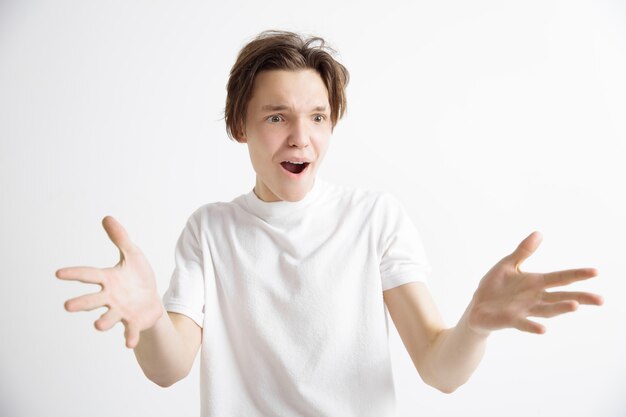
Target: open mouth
{"x":294,"y":168}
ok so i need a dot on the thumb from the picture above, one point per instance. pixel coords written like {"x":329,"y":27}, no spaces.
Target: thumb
{"x":117,"y":234}
{"x":526,"y":248}
{"x":131,"y":334}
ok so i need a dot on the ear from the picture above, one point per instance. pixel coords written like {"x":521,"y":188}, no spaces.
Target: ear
{"x":241,"y":137}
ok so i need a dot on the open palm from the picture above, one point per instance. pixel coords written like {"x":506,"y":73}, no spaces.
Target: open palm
{"x":128,"y":288}
{"x":506,"y":296}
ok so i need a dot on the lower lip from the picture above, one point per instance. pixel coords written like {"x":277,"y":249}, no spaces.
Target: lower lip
{"x":293,"y":174}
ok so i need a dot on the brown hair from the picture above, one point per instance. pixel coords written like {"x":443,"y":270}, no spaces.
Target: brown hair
{"x":276,"y":49}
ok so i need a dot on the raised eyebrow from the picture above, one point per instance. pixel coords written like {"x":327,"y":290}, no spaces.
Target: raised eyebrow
{"x":278,"y":107}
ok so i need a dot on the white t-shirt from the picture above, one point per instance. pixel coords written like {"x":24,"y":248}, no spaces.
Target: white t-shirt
{"x":290,"y":299}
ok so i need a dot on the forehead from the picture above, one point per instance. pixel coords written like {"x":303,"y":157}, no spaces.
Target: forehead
{"x":288,"y":88}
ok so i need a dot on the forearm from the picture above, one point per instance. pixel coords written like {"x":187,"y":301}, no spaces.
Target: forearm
{"x":454,"y":355}
{"x":161,"y":353}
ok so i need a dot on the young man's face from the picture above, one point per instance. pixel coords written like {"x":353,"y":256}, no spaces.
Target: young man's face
{"x":287,"y":119}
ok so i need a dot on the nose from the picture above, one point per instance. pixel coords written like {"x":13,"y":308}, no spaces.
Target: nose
{"x":299,"y":134}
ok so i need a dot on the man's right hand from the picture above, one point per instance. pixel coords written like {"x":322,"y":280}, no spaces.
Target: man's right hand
{"x":128,"y":288}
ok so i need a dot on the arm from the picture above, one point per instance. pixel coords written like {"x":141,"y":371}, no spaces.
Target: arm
{"x":506,"y":296}
{"x":169,"y":342}
{"x":167,"y":350}
{"x":445,"y":358}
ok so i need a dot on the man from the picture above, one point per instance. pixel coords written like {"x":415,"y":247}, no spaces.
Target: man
{"x":285,"y":287}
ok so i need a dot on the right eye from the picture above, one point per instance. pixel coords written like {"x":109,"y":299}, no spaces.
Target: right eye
{"x":274,"y":119}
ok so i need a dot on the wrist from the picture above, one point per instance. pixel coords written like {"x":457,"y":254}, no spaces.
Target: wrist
{"x":472,"y":322}
{"x":155,"y":315}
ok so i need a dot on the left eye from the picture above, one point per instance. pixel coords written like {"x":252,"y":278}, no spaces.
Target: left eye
{"x":274,"y":118}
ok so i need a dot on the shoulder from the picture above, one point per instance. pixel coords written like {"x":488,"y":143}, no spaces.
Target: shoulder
{"x":210,"y":214}
{"x":389,"y":203}
{"x":354,"y":195}
{"x":212,"y":209}
{"x":377,"y":205}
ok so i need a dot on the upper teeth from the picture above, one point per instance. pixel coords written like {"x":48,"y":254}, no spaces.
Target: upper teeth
{"x":299,"y":163}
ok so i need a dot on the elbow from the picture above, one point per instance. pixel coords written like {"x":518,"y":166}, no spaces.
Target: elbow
{"x":166,"y":381}
{"x":449,"y":387}
{"x":446,"y":389}
{"x":164,"y":384}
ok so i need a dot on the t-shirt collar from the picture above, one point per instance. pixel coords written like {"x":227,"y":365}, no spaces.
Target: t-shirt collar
{"x":272,"y":209}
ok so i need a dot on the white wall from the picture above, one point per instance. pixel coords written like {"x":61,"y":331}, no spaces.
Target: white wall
{"x":488,"y":119}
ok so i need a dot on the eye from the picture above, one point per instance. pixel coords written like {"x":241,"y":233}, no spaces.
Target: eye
{"x":321,"y":116}
{"x":274,"y":118}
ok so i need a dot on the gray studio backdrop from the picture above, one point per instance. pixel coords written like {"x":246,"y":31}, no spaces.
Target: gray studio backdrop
{"x":487,"y":119}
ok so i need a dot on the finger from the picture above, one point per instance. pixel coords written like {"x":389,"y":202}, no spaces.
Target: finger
{"x":530,"y":326}
{"x":131,"y":334}
{"x":526,"y":248}
{"x":108,"y":320}
{"x":117,"y":234}
{"x":86,"y":302}
{"x":559,"y":278}
{"x":579,"y":297}
{"x":554,"y":309}
{"x":84,"y":274}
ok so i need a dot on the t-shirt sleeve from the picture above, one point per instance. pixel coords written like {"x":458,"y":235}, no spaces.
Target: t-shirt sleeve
{"x":403,"y":257}
{"x":185,"y":294}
